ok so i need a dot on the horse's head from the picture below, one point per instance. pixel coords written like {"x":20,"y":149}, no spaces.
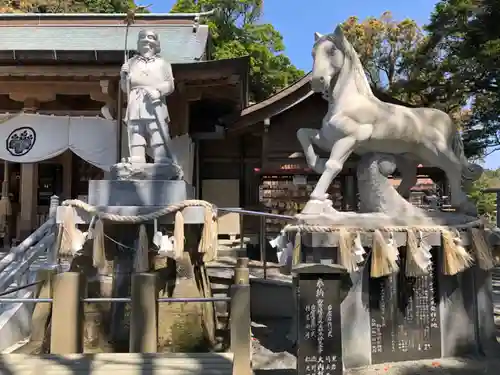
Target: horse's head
{"x":328,"y":59}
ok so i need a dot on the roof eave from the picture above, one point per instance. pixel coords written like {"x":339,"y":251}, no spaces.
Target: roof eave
{"x":105,"y":16}
{"x":281,"y":101}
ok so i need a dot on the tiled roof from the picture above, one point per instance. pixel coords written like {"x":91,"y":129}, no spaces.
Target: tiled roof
{"x":179,"y":42}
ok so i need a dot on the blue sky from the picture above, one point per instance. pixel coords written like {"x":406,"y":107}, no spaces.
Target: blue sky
{"x":297,"y":22}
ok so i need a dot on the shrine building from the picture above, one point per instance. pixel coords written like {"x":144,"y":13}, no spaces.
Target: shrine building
{"x":59,"y":105}
{"x":59,"y":100}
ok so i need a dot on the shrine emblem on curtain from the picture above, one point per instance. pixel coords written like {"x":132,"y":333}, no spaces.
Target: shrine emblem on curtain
{"x":20,"y":141}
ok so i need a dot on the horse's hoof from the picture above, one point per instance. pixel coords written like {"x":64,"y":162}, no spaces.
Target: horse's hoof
{"x":320,"y":198}
{"x":317,"y":207}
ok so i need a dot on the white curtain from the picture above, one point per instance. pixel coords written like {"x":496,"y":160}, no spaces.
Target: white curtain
{"x":91,"y":138}
{"x":50,"y":137}
{"x":183,"y":148}
{"x":94,"y":140}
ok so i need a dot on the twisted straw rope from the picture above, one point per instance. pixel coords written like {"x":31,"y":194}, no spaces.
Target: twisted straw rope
{"x":308,"y":228}
{"x":135,"y":219}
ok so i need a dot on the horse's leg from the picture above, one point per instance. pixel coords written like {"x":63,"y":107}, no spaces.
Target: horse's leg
{"x":341,"y":151}
{"x":408,"y":169}
{"x":308,"y":137}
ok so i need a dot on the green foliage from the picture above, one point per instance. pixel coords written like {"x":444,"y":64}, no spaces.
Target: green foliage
{"x":486,"y":203}
{"x":237,"y":31}
{"x":383,"y":45}
{"x":66,"y":6}
{"x":466,"y":34}
{"x":398,"y":59}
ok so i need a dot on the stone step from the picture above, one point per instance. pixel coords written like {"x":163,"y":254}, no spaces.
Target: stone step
{"x":220,"y":290}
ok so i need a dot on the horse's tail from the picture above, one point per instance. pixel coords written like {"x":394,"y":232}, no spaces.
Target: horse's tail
{"x":470,"y":171}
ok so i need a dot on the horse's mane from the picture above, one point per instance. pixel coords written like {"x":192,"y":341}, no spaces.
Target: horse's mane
{"x":346,"y":47}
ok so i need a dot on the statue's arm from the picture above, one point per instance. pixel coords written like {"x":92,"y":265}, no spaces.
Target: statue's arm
{"x":167,"y":86}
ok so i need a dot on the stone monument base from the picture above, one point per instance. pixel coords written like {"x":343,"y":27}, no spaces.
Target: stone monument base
{"x":138,"y":192}
{"x":400,"y":318}
{"x":146,"y":171}
{"x":369,"y":221}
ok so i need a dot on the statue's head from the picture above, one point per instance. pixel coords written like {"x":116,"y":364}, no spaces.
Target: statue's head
{"x":148,"y":43}
{"x":328,"y":59}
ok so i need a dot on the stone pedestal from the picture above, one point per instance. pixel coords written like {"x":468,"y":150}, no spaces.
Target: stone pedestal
{"x":397,"y":318}
{"x":144,"y":193}
{"x":146,"y":171}
{"x":138,"y":197}
{"x":135,"y":190}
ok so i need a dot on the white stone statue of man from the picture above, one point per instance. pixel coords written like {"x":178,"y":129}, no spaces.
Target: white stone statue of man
{"x":147,"y":79}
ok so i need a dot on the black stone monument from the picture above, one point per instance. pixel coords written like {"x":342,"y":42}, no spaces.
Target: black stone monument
{"x":321,"y":289}
{"x":404,"y":316}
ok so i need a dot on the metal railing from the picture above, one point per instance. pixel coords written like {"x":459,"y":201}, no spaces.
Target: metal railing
{"x":262,"y":229}
{"x":117,"y":300}
{"x":69,"y":292}
{"x":16,"y":268}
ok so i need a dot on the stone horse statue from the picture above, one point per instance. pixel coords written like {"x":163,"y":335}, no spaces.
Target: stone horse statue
{"x":358,"y":122}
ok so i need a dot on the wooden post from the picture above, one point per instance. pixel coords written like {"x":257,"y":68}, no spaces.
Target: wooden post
{"x":53,"y":251}
{"x":7,"y":213}
{"x":54,"y":203}
{"x":67,"y":313}
{"x":41,"y":312}
{"x":144,"y":314}
{"x":241,"y":271}
{"x":240,"y":320}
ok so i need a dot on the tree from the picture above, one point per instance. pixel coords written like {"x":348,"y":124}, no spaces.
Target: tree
{"x":393,"y":55}
{"x":466,"y":33}
{"x":383,"y":44}
{"x":237,"y":31}
{"x":486,"y":203}
{"x":66,"y":6}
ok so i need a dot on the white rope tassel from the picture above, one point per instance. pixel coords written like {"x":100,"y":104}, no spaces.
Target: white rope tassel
{"x":418,"y":255}
{"x":358,"y":249}
{"x":383,"y":259}
{"x":98,"y":248}
{"x":179,"y":235}
{"x":456,"y":257}
{"x":141,"y":260}
{"x":393,"y":248}
{"x":484,"y":258}
{"x":346,"y":253}
{"x":72,"y":239}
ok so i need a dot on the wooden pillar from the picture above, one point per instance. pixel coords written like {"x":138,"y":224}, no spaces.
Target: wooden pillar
{"x":265,"y":143}
{"x":178,"y":107}
{"x":28,"y":199}
{"x":262,"y":219}
{"x":28,"y":192}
